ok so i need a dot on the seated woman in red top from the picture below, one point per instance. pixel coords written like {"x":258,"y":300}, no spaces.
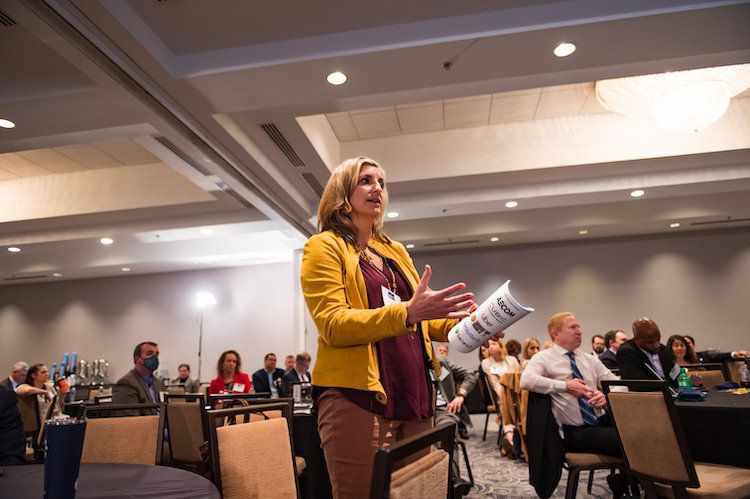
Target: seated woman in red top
{"x":230,"y":379}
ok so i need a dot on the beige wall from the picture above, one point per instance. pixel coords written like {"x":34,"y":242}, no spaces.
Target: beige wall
{"x":692,"y":284}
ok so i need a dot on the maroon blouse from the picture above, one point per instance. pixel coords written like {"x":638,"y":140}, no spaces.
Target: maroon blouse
{"x":401,"y":359}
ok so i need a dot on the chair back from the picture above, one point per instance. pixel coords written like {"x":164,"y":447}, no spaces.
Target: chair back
{"x":28,"y":406}
{"x":190,"y":398}
{"x":176,"y":390}
{"x":94,"y":392}
{"x":47,"y":415}
{"x":428,"y":477}
{"x":214,"y":398}
{"x":187,"y":430}
{"x":732,"y":369}
{"x":709,"y":379}
{"x":650,"y":432}
{"x":255,"y":457}
{"x":129,"y":439}
{"x":490,"y":395}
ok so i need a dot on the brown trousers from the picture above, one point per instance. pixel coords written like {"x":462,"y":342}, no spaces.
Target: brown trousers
{"x":350,"y":436}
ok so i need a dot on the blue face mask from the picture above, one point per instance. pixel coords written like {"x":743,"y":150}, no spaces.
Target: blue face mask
{"x":151,"y":363}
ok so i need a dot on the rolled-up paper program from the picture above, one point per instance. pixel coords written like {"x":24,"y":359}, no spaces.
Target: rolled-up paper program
{"x":497,"y":312}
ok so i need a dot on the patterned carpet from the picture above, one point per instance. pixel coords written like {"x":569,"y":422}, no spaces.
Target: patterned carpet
{"x":496,"y":476}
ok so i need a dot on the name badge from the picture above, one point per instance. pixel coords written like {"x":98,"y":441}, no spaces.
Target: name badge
{"x":389,"y":296}
{"x":238,"y":387}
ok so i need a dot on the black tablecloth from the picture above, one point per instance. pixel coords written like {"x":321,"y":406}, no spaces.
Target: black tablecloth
{"x":307,"y":445}
{"x":718,"y":428}
{"x":111,"y":481}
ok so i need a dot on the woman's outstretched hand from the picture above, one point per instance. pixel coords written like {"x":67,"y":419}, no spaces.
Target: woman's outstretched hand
{"x":426,"y":304}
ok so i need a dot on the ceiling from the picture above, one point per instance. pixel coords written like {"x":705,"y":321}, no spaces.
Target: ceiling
{"x":200,"y":134}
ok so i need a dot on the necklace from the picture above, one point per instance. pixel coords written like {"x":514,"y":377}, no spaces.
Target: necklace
{"x":393,"y":287}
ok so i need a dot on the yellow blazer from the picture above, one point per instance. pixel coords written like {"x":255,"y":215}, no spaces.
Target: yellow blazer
{"x":336,"y":296}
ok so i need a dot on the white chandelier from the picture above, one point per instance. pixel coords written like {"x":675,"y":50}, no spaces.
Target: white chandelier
{"x":684,"y":101}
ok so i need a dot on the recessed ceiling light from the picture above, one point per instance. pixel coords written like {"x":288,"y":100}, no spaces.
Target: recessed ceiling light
{"x":392,"y":214}
{"x":637,"y":193}
{"x":207,"y":232}
{"x":564,"y":49}
{"x":674,"y":224}
{"x":57,"y":274}
{"x":494,"y":239}
{"x":511,"y":204}
{"x":14,"y":249}
{"x":409,"y":246}
{"x":106,"y":240}
{"x":7,"y":124}
{"x":336,"y":78}
{"x":583,"y":232}
{"x":125,"y":269}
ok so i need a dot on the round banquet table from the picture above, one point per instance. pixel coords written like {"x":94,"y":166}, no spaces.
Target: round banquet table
{"x":717,"y":429}
{"x":110,"y":481}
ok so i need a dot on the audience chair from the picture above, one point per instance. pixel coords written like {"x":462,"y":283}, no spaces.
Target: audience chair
{"x":94,"y":392}
{"x":28,"y":406}
{"x":426,"y":478}
{"x":129,"y":439}
{"x":214,"y":398}
{"x":175,"y":390}
{"x":490,"y":401}
{"x":547,"y":457}
{"x":731,"y":369}
{"x":187,"y":428}
{"x":646,"y":415}
{"x":253,"y":458}
{"x":711,"y":374}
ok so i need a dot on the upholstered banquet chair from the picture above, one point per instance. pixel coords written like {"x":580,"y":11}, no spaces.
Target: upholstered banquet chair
{"x":656,"y":450}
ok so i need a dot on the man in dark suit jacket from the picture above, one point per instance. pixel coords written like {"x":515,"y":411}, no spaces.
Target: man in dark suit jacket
{"x":644,"y":357}
{"x":261,"y":376}
{"x":297,"y":374}
{"x":612,"y":341}
{"x":708,"y":357}
{"x":17,"y":376}
{"x":12,"y":436}
{"x":140,"y":386}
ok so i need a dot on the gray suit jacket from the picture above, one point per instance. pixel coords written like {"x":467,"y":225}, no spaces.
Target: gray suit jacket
{"x":131,"y":389}
{"x":447,"y":385}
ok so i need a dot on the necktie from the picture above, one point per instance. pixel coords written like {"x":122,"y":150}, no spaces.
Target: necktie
{"x":589,"y":418}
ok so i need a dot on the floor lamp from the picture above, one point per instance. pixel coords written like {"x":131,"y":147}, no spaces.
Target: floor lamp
{"x":203,"y":299}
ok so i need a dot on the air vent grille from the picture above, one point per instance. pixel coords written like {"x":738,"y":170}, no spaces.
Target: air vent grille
{"x":727,"y":221}
{"x":451,"y":243}
{"x":26,"y":277}
{"x":313,"y":183}
{"x":6,"y":20}
{"x":282,"y":144}
{"x":183,"y":156}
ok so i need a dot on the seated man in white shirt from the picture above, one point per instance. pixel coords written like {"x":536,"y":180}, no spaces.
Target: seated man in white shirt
{"x":574,"y":384}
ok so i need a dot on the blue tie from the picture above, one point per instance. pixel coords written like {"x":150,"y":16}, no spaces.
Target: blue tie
{"x":589,"y":418}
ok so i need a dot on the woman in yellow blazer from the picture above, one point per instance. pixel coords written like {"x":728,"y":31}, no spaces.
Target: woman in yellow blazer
{"x":376,"y":319}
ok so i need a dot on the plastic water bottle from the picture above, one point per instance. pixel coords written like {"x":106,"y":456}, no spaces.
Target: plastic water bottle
{"x":101,"y":390}
{"x":744,"y":376}
{"x":683,"y":380}
{"x":72,"y":393}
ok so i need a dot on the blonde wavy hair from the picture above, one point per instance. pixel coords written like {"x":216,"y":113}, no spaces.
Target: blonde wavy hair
{"x":334,"y":209}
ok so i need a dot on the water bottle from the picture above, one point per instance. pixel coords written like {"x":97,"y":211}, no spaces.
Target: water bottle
{"x":683,"y":380}
{"x":73,"y":393}
{"x":744,"y":376}
{"x":101,"y":390}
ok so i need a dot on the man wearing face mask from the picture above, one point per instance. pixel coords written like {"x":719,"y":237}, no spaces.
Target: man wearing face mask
{"x":140,"y":386}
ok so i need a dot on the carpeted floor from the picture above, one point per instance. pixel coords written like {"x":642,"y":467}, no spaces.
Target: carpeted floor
{"x":496,"y":476}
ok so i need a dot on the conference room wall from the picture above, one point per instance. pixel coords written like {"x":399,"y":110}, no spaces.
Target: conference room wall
{"x":695,"y":283}
{"x":107,"y":317}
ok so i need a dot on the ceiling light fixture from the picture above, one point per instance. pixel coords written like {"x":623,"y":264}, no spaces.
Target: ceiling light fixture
{"x":336,"y":78}
{"x":14,"y":249}
{"x":564,"y":49}
{"x":674,"y":224}
{"x":494,"y":239}
{"x":637,"y":193}
{"x":583,"y":232}
{"x":511,"y":204}
{"x":207,"y":232}
{"x":57,"y":274}
{"x":392,"y":214}
{"x":106,"y":240}
{"x":409,"y":246}
{"x":683,"y":101}
{"x":6,"y":124}
{"x":125,"y":269}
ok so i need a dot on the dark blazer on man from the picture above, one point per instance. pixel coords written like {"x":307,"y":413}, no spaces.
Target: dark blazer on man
{"x":609,"y":359}
{"x":6,"y":384}
{"x":12,"y":435}
{"x":708,"y":358}
{"x":456,"y":374}
{"x":289,"y":379}
{"x":131,"y":389}
{"x":632,"y":363}
{"x":260,"y":380}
